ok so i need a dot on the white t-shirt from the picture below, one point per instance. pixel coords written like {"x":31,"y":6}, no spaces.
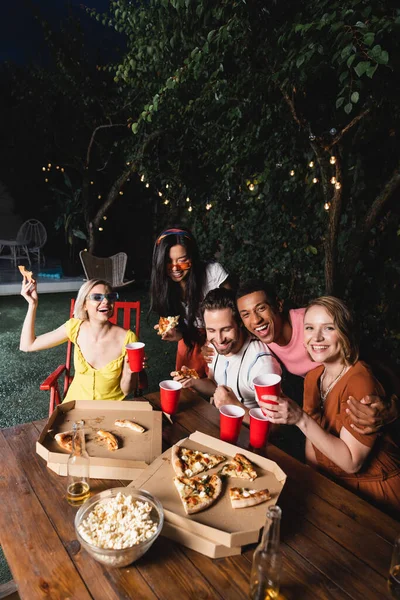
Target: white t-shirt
{"x":238,"y":370}
{"x":215,"y":276}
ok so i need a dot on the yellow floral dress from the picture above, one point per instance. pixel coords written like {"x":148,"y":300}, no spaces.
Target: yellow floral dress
{"x":95,"y":384}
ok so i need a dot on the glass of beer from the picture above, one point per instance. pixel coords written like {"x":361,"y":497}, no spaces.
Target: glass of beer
{"x":394,"y":574}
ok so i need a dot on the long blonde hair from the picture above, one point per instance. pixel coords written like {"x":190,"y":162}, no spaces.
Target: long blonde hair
{"x":344,"y":323}
{"x":84,"y":291}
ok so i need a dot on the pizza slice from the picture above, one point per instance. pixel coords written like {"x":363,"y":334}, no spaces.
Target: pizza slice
{"x":64,"y":440}
{"x":243,"y":497}
{"x":240,"y":467}
{"x":187,"y":462}
{"x":165,"y":324}
{"x":112,"y":442}
{"x":130,"y":425}
{"x":198,"y":493}
{"x":25,"y":273}
{"x":186,"y":372}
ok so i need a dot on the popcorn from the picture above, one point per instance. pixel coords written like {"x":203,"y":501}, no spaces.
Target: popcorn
{"x":118,"y":523}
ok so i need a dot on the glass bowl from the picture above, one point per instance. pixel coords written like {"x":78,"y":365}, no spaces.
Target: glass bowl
{"x":124,"y":556}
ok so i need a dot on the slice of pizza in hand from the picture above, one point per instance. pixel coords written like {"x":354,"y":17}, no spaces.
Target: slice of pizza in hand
{"x":130,"y":425}
{"x":198,"y":493}
{"x":165,"y":324}
{"x":243,"y":497}
{"x":27,"y":274}
{"x":112,"y":442}
{"x":186,"y":372}
{"x":240,"y":467}
{"x":187,"y":462}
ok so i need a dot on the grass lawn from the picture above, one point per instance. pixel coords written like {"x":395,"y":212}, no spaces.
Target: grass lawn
{"x":21,"y":373}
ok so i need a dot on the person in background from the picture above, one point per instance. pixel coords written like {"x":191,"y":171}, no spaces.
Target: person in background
{"x":264,"y":316}
{"x":239,"y":357}
{"x":179,"y":282}
{"x":101,"y":364}
{"x":367,"y":464}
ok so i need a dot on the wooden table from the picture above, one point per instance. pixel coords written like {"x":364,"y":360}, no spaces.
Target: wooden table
{"x":334,"y":545}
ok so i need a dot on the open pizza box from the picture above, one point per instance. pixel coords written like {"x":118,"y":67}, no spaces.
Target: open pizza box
{"x":137,"y":451}
{"x":220,"y":524}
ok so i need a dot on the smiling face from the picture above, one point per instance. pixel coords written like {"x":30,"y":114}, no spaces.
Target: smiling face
{"x":178,"y":264}
{"x":259,"y":317}
{"x":99,"y":310}
{"x":223,"y":332}
{"x":321,"y":337}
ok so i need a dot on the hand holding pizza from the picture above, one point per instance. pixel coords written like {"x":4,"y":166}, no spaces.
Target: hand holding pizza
{"x":185,"y":376}
{"x":29,"y":291}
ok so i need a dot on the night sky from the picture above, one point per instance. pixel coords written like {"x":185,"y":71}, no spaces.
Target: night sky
{"x":21,"y":35}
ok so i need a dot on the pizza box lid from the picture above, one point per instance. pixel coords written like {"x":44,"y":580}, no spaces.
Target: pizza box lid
{"x":138,"y":450}
{"x":220,"y":523}
{"x":198,"y":542}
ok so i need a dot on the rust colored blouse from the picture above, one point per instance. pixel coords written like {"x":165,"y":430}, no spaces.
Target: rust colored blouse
{"x":379,"y":478}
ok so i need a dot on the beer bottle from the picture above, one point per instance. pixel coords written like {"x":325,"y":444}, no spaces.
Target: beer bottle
{"x":78,"y":484}
{"x":266,"y":569}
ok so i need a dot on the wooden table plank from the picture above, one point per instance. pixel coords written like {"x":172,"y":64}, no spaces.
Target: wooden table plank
{"x":51,"y":574}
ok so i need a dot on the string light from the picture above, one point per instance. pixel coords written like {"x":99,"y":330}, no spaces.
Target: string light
{"x":160,"y":194}
{"x":121,"y":193}
{"x":99,"y":196}
{"x":327,"y":205}
{"x":128,"y":163}
{"x":251,"y":187}
{"x":147,"y":185}
{"x":291,"y":173}
{"x":188,"y":199}
{"x":92,"y":182}
{"x":57,"y":167}
{"x":62,"y":169}
{"x":105,"y":218}
{"x":311,"y":164}
{"x":332,"y":160}
{"x":43,"y":168}
{"x":167,"y":186}
{"x":333,"y":180}
{"x":190,"y":208}
{"x":166,"y":201}
{"x":100,"y":229}
{"x":208,"y":206}
{"x":49,"y":165}
{"x":315,"y":180}
{"x":338,"y":185}
{"x":46,"y":180}
{"x":142,"y":178}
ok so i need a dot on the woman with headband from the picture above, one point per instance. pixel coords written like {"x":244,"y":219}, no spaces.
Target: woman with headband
{"x":179,"y":283}
{"x":100,"y":360}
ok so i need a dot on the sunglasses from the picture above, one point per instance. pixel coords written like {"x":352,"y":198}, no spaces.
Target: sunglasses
{"x":111,"y":297}
{"x":183,"y":266}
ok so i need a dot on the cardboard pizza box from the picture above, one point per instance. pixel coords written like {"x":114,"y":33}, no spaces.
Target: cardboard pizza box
{"x":197,"y":542}
{"x":220,"y":523}
{"x":138,"y":450}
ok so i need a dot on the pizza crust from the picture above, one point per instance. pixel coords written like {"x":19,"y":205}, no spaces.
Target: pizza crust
{"x":27,"y":274}
{"x":186,"y":372}
{"x":130,"y":425}
{"x":64,"y":440}
{"x":112,"y":442}
{"x":198,"y":493}
{"x":240,"y":467}
{"x":165,"y":324}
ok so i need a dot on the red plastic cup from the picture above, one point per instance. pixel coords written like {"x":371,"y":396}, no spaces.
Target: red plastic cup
{"x":259,"y":428}
{"x":230,"y":422}
{"x":169,"y":395}
{"x":267,"y":385}
{"x":136,"y":356}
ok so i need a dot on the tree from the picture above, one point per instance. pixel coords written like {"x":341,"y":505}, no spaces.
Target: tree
{"x":238,"y":98}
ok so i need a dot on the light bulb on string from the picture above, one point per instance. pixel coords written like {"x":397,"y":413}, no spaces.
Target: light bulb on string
{"x":188,"y":199}
{"x":338,"y":185}
{"x":160,"y":194}
{"x":128,"y":163}
{"x":147,"y":185}
{"x":208,"y":206}
{"x":167,"y":186}
{"x":190,"y":208}
{"x":104,"y":218}
{"x":49,"y":165}
{"x":327,"y":205}
{"x":43,"y":168}
{"x":251,"y":187}
{"x":311,"y":164}
{"x":291,"y":173}
{"x":315,"y":180}
{"x":62,"y":169}
{"x":332,"y":160}
{"x":100,"y":229}
{"x":46,"y":180}
{"x":142,"y":178}
{"x":57,"y":167}
{"x":333,"y":180}
{"x":99,"y":196}
{"x":92,"y":183}
{"x":121,"y":193}
{"x":166,"y":201}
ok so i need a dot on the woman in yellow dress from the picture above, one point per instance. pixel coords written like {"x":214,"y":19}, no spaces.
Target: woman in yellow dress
{"x":100,"y":360}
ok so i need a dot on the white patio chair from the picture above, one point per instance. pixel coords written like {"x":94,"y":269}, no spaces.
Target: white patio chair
{"x":110,"y":269}
{"x":35,"y":232}
{"x":18,"y":247}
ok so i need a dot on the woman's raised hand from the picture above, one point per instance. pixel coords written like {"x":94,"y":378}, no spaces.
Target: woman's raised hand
{"x":29,"y":291}
{"x":284,"y":412}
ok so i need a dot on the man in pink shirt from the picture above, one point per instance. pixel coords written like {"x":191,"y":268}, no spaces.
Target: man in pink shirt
{"x":263,"y":315}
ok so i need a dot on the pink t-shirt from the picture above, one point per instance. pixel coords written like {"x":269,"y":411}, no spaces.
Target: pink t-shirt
{"x":294,"y":356}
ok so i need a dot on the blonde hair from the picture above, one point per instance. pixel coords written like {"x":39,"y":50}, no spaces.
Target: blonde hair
{"x":344,"y":323}
{"x":79,"y":309}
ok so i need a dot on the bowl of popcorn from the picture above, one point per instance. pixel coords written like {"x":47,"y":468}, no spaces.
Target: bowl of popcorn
{"x":119,"y":525}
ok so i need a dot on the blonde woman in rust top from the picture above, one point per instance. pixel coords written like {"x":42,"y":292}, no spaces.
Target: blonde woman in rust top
{"x":367,"y":464}
{"x":100,"y":361}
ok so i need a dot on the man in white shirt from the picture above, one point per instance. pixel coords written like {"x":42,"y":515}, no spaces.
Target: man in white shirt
{"x":239,"y":357}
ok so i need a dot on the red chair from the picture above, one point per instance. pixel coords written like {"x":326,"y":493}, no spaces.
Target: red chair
{"x":51,"y":383}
